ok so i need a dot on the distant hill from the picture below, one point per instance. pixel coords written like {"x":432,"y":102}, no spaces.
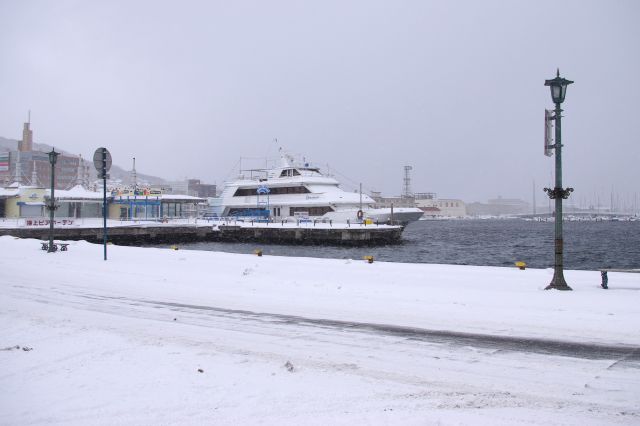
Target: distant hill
{"x":8,"y":144}
{"x":116,"y":172}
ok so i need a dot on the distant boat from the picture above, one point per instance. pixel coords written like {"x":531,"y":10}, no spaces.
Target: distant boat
{"x":301,"y":192}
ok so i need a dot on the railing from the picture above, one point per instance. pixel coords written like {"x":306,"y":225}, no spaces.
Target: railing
{"x":298,"y":222}
{"x":97,"y":222}
{"x":90,"y":222}
{"x":34,"y":222}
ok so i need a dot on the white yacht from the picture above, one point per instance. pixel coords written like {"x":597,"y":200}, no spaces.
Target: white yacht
{"x":300,"y":191}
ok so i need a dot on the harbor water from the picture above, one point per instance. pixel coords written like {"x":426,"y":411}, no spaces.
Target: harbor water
{"x":587,"y":244}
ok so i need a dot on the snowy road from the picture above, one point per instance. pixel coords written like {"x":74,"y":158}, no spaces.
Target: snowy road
{"x":341,"y":372}
{"x":163,"y":337}
{"x":506,"y":343}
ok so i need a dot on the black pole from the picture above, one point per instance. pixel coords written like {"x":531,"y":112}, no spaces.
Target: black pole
{"x":558,"y":193}
{"x":104,"y":200}
{"x":52,"y":159}
{"x":558,"y":282}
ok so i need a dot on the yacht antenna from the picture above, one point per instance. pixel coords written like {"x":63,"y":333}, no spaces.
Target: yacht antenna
{"x":361,"y":196}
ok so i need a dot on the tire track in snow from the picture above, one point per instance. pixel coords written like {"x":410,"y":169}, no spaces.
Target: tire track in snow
{"x":585,"y":350}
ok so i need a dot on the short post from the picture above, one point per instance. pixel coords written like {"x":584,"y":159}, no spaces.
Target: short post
{"x":605,"y":279}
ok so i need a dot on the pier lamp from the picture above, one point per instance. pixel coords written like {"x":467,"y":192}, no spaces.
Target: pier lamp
{"x":53,"y":158}
{"x":558,"y":87}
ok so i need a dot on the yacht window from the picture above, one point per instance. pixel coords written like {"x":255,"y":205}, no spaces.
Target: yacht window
{"x":311,"y":211}
{"x":244,"y":192}
{"x":289,"y":190}
{"x":289,"y":173}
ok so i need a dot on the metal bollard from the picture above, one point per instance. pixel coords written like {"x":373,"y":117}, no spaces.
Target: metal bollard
{"x":605,"y":280}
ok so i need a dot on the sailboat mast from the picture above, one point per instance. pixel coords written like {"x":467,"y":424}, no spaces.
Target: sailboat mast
{"x":534,"y":197}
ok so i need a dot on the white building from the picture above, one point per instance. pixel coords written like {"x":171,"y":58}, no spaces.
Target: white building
{"x":441,"y":207}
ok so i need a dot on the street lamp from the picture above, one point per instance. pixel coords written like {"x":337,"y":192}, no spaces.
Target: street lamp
{"x":53,"y":158}
{"x":558,"y":87}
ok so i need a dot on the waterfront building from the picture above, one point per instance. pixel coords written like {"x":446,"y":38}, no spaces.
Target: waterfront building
{"x":435,"y":207}
{"x":4,"y":165}
{"x":26,"y":144}
{"x":19,"y":201}
{"x":152,"y":204}
{"x":193,"y":187}
{"x":428,"y":202}
{"x":382,"y":202}
{"x":6,"y":194}
{"x":499,"y":207}
{"x":29,"y":167}
{"x":77,"y":203}
{"x":33,"y":169}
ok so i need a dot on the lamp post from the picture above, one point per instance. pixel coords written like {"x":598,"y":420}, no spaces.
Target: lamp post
{"x":53,"y":158}
{"x":558,"y":87}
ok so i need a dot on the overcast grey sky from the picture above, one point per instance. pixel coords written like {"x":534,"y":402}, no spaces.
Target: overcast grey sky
{"x":455,"y":89}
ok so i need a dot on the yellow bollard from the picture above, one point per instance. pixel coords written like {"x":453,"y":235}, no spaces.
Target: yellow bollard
{"x":258,"y":252}
{"x":521,"y":265}
{"x":368,"y":259}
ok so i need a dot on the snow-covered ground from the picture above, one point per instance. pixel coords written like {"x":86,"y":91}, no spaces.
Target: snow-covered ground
{"x":160,"y":336}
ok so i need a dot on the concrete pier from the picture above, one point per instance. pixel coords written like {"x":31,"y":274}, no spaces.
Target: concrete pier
{"x":272,"y":233}
{"x":309,"y":235}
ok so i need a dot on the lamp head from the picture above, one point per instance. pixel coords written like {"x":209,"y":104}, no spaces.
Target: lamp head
{"x":558,"y":87}
{"x":53,"y":156}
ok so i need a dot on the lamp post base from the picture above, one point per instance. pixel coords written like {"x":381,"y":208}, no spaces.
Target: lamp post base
{"x":553,"y":286}
{"x":558,"y":282}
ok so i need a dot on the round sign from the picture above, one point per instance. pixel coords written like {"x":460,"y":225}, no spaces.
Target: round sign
{"x":98,"y":159}
{"x":262,"y":189}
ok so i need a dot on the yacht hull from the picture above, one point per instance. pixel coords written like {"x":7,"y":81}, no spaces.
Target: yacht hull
{"x":400,"y":216}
